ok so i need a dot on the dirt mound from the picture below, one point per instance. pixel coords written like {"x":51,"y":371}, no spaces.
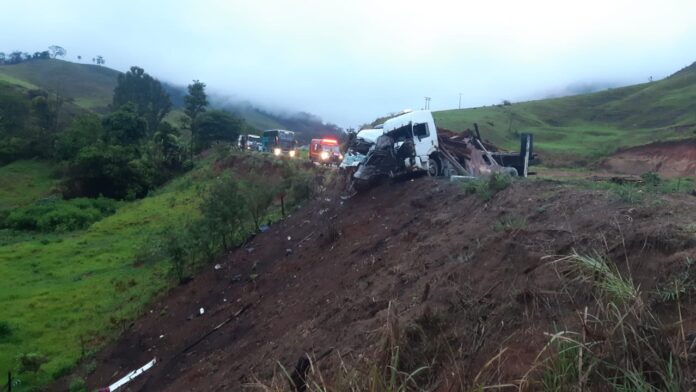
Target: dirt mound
{"x":668,"y":159}
{"x":470,"y":275}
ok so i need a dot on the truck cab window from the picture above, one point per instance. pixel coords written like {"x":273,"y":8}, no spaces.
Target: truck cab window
{"x":420,"y":130}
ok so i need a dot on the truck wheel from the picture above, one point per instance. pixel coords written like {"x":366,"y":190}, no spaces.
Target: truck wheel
{"x":511,"y":171}
{"x":434,"y":169}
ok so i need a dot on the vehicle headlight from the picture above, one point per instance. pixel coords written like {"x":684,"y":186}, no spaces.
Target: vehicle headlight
{"x":276,"y":151}
{"x":340,"y":156}
{"x":324,"y":155}
{"x":292,"y":153}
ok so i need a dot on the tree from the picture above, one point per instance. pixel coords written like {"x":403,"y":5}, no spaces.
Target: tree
{"x":2,"y":57}
{"x":216,"y":125}
{"x":83,"y":131}
{"x":124,"y":126}
{"x":195,"y":103}
{"x":111,"y":170}
{"x":99,"y":60}
{"x":258,"y":197}
{"x":166,"y":154}
{"x":46,"y":112}
{"x":79,"y":58}
{"x":57,"y":51}
{"x":223,"y":209}
{"x":14,"y":112}
{"x":15,"y":57}
{"x":41,"y":55}
{"x":150,"y":99}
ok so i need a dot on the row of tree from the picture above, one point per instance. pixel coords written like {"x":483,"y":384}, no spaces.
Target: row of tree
{"x":123,"y":154}
{"x":133,"y":150}
{"x":54,"y":51}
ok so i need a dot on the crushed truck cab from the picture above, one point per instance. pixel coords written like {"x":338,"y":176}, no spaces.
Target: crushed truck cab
{"x":411,"y":142}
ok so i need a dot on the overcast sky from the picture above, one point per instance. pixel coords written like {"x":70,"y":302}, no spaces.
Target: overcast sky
{"x":352,"y":61}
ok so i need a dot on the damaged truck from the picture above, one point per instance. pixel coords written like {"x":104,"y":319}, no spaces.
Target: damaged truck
{"x":412,"y":143}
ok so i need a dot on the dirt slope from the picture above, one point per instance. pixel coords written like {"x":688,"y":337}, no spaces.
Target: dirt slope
{"x":469,"y":273}
{"x":668,"y":159}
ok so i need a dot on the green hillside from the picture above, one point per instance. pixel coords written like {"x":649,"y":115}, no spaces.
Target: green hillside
{"x":22,"y":182}
{"x":589,"y":126}
{"x":66,"y":293}
{"x":90,"y":86}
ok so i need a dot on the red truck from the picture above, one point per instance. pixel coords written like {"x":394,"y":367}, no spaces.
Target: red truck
{"x":325,"y":151}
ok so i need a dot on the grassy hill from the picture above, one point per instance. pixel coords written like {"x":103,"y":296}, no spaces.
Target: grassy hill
{"x":91,"y":87}
{"x":589,"y":126}
{"x":22,"y":182}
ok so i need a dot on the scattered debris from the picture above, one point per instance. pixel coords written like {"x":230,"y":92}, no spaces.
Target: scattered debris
{"x":288,"y":252}
{"x":201,"y":311}
{"x":217,"y":267}
{"x":264,"y":228}
{"x":129,"y":377}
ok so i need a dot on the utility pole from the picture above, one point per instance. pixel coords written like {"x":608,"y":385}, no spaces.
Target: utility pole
{"x":460,"y":100}
{"x":427,"y":103}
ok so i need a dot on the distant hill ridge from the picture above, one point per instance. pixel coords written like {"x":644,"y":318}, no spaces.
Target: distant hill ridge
{"x":590,"y":126}
{"x":91,"y":87}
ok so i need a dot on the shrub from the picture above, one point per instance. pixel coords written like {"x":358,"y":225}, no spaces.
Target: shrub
{"x":499,"y":181}
{"x":176,"y":243}
{"x":301,"y":185}
{"x":5,"y":330}
{"x":651,"y":179}
{"x":31,"y":362}
{"x":486,"y":189}
{"x":59,"y":215}
{"x":628,"y":193}
{"x":77,"y":385}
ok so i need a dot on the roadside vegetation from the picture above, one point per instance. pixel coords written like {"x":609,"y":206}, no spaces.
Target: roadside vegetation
{"x":73,"y":286}
{"x":101,"y":211}
{"x":648,"y":188}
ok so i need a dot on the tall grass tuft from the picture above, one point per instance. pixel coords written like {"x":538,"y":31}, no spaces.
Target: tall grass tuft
{"x":621,"y":344}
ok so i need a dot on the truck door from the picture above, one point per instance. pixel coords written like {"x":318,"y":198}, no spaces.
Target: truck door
{"x":422,"y":140}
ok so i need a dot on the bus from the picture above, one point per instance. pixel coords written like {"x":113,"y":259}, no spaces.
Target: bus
{"x":279,"y":142}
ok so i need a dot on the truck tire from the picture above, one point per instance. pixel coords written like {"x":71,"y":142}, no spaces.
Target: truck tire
{"x":434,"y":167}
{"x":511,"y":171}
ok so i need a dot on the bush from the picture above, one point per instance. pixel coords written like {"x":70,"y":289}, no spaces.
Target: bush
{"x":31,"y":362}
{"x":5,"y":330}
{"x":59,"y":215}
{"x":301,"y":186}
{"x":77,"y":385}
{"x":486,"y":189}
{"x":651,"y":179}
{"x":499,"y":181}
{"x":628,"y":193}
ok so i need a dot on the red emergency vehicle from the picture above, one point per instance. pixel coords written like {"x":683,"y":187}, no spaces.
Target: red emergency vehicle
{"x":325,"y":151}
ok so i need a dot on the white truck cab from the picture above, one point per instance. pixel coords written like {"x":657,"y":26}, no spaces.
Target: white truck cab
{"x":420,"y":127}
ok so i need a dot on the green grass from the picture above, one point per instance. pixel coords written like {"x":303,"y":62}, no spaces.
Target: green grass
{"x":65,"y":292}
{"x":58,"y":288}
{"x":12,"y":80}
{"x":590,"y":126}
{"x":90,"y":86}
{"x":22,"y":182}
